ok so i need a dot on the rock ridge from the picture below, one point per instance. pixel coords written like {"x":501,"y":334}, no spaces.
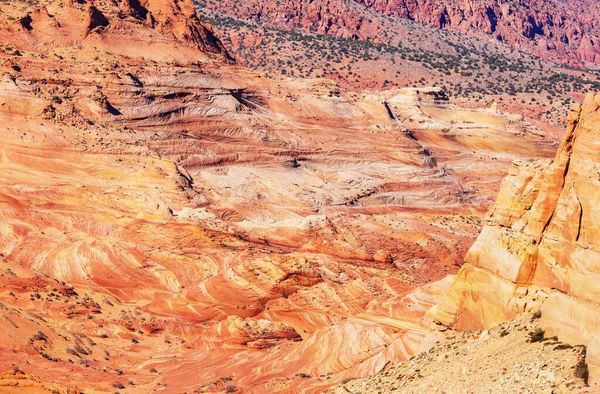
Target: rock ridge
{"x":550,"y":28}
{"x":152,"y":29}
{"x":539,"y":248}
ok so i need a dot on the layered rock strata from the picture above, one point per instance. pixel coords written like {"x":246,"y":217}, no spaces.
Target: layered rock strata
{"x":539,"y":248}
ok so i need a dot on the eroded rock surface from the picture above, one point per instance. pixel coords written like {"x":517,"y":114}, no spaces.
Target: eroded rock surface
{"x":169,"y":218}
{"x":539,"y":246}
{"x":501,"y":360}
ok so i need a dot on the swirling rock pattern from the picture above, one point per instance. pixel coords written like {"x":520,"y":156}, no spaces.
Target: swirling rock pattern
{"x":169,"y":218}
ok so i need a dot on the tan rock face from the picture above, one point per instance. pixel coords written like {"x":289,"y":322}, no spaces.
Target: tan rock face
{"x":540,"y":239}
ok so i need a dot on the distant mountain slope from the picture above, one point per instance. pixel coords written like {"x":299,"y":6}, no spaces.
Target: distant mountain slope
{"x":320,"y":40}
{"x":555,"y":26}
{"x":566,"y":30}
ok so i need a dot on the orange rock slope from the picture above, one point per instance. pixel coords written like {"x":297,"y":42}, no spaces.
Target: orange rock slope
{"x":539,"y":247}
{"x":153,"y":29}
{"x":170,"y":221}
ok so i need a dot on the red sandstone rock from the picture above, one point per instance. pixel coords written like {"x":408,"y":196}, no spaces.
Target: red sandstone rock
{"x":115,"y":26}
{"x":549,"y":27}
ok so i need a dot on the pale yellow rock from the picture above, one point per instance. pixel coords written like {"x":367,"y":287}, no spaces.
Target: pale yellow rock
{"x":543,"y":233}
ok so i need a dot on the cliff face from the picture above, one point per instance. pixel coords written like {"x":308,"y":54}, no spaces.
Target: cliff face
{"x":540,"y":246}
{"x":179,"y":19}
{"x":550,"y":28}
{"x":552,"y":25}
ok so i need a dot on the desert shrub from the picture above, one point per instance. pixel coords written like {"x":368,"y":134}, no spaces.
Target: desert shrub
{"x":537,"y":335}
{"x":72,"y":352}
{"x":40,"y":336}
{"x":563,"y":346}
{"x":581,"y":369}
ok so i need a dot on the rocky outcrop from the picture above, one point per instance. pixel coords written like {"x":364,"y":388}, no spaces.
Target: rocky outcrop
{"x":539,"y":247}
{"x":17,"y":381}
{"x":177,"y":18}
{"x":420,"y":95}
{"x":258,"y":334}
{"x":549,"y":28}
{"x":96,"y":19}
{"x":501,"y":360}
{"x":147,"y":28}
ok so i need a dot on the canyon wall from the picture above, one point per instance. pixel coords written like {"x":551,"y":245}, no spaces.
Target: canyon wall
{"x":550,"y":28}
{"x":540,"y":248}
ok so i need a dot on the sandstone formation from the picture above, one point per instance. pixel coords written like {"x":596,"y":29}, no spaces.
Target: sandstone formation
{"x":154,"y":29}
{"x":17,"y":381}
{"x":169,"y":220}
{"x":538,"y":249}
{"x":419,"y":95}
{"x":550,"y":28}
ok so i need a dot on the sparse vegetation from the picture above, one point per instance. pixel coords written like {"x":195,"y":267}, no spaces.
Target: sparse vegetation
{"x":467,"y":68}
{"x":537,"y":335}
{"x":563,"y":346}
{"x":39,"y":336}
